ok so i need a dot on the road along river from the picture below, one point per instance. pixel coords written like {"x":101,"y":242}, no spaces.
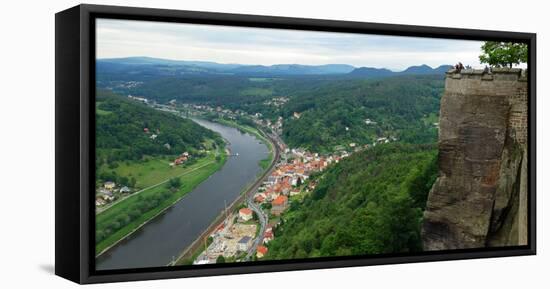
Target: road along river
{"x":161,"y":240}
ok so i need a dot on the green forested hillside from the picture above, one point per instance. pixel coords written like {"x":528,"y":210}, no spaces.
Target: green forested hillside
{"x":217,"y":90}
{"x":127,"y":130}
{"x":370,"y":203}
{"x":333,"y":109}
{"x":338,"y":113}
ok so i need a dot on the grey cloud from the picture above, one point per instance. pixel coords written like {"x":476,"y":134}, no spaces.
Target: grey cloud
{"x":121,"y":38}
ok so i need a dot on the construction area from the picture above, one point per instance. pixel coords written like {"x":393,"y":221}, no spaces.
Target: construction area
{"x":231,"y":239}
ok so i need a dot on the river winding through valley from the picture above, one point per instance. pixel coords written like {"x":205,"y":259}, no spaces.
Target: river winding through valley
{"x":163,"y":238}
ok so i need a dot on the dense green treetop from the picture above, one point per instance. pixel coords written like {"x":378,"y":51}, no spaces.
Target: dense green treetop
{"x":502,"y":54}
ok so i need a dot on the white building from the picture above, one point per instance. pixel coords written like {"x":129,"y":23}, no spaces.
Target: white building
{"x":244,"y":243}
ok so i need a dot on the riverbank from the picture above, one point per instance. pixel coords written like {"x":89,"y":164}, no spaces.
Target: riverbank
{"x":189,"y":254}
{"x":123,"y":210}
{"x":259,"y":134}
{"x":192,"y":251}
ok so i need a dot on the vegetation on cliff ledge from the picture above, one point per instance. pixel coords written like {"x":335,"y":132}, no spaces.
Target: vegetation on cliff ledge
{"x":502,"y":54}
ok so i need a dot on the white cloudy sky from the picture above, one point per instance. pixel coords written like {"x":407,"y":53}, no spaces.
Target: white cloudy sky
{"x":223,"y":44}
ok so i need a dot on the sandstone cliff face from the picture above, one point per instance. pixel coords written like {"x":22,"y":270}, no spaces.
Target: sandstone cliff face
{"x":480,"y":196}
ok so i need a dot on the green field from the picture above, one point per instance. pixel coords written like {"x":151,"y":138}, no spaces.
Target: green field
{"x":264,"y":164}
{"x":262,"y":79}
{"x":100,"y":111}
{"x":155,"y":170}
{"x":192,"y":176}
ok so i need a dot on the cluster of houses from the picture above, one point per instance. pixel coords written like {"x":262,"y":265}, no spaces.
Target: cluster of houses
{"x":287,"y":178}
{"x":355,"y":147}
{"x":275,"y":126}
{"x":277,"y":101}
{"x":197,"y":109}
{"x":152,"y":135}
{"x":138,"y":98}
{"x":118,"y":85}
{"x":181,"y":159}
{"x":114,"y":85}
{"x":109,"y":192}
{"x":383,"y":140}
{"x":235,"y":236}
{"x":257,"y":118}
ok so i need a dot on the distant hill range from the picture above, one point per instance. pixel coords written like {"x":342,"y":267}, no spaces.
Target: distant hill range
{"x":167,"y":67}
{"x":143,"y":60}
{"x":370,"y":72}
{"x":294,"y":69}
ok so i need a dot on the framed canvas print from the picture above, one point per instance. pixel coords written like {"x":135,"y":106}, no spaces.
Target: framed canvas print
{"x":194,"y":144}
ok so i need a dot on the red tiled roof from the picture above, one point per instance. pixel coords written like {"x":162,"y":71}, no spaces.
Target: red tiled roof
{"x":286,"y":181}
{"x":262,"y":250}
{"x":280,"y":200}
{"x":245,"y":211}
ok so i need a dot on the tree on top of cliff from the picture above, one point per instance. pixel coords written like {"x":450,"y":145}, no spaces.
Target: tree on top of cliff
{"x":501,"y":54}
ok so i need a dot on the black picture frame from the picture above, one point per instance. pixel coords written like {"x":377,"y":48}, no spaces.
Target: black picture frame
{"x":75,"y":137}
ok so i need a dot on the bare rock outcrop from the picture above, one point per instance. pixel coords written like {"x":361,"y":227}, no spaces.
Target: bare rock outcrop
{"x":480,"y":196}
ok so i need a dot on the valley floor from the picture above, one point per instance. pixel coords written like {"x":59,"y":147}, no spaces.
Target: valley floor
{"x":191,"y":176}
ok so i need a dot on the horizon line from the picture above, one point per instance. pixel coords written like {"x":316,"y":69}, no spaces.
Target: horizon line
{"x":223,"y":63}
